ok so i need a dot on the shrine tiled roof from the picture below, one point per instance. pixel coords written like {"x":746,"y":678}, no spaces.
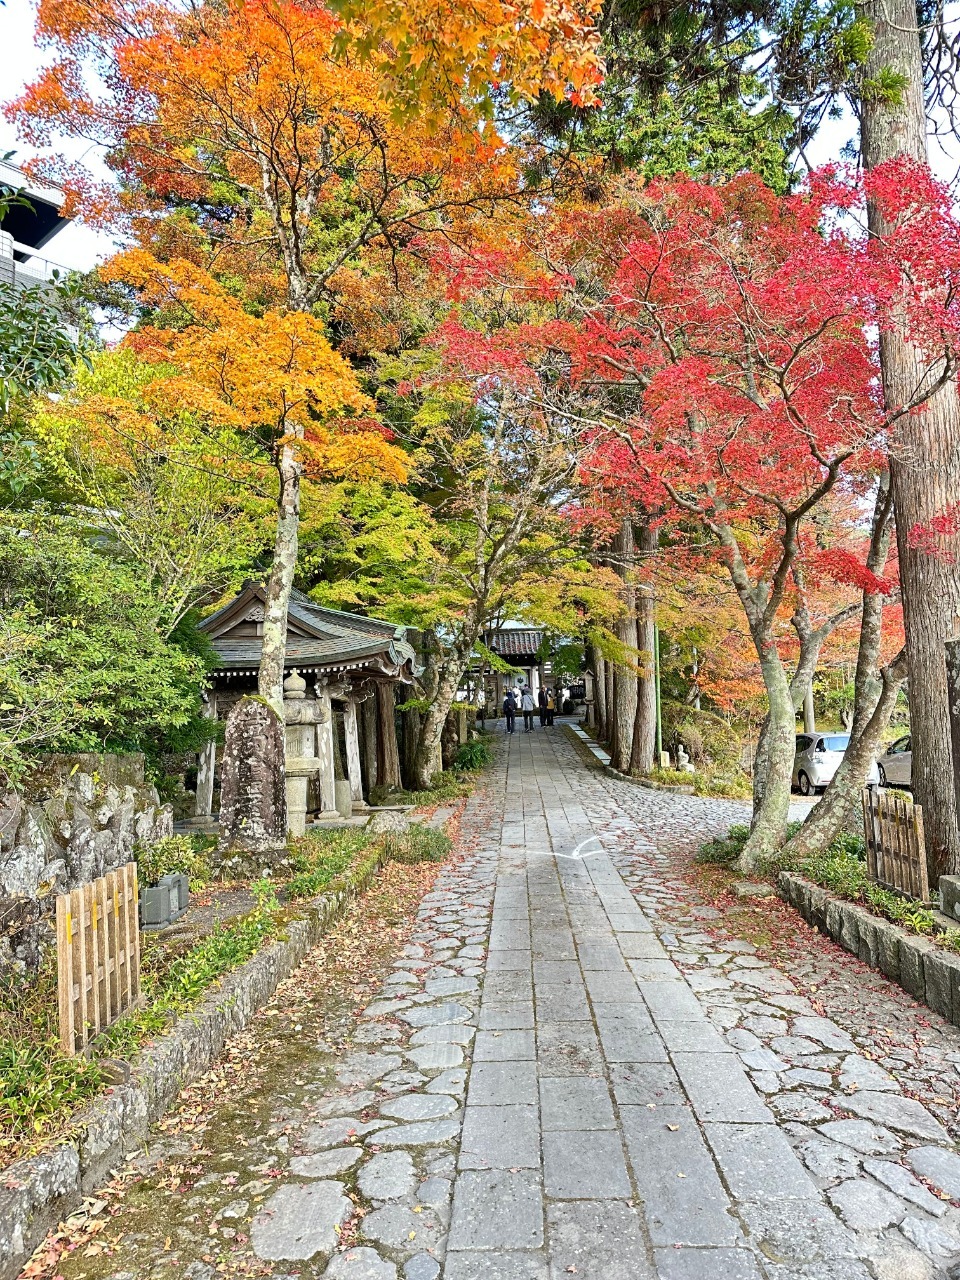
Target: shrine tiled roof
{"x":515,"y":642}
{"x":317,"y":638}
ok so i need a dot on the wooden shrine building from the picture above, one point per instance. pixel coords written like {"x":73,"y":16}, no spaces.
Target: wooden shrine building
{"x":340,"y":730}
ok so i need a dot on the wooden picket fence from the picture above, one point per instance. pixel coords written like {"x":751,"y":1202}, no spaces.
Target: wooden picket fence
{"x":98,"y":955}
{"x":896,"y":855}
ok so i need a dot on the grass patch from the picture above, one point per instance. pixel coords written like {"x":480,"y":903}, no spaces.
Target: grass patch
{"x":39,"y":1086}
{"x":841,"y":869}
{"x":321,"y":856}
{"x":713,"y":782}
{"x":417,"y":844}
{"x":172,"y":984}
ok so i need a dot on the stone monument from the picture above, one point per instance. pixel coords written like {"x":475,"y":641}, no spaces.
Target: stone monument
{"x":253,"y":808}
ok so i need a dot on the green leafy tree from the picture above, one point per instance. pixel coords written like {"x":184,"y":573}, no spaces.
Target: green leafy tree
{"x":175,"y":495}
{"x":85,"y":663}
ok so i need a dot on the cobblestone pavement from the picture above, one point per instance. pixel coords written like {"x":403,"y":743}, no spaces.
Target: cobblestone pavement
{"x":571,"y":1071}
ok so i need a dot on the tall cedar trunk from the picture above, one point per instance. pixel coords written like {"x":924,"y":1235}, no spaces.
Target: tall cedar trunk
{"x":875,"y":695}
{"x":769,"y":826}
{"x":388,"y":754}
{"x":274,"y":651}
{"x":924,"y":458}
{"x":625,"y":676}
{"x":410,"y":719}
{"x":368,"y":742}
{"x":642,"y":756}
{"x":600,"y":695}
{"x":608,"y":695}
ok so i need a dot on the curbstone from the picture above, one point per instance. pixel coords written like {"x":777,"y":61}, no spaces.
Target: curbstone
{"x":869,"y":950}
{"x":941,"y":974}
{"x":924,"y":970}
{"x":912,"y":951}
{"x":39,"y":1191}
{"x":849,"y":937}
{"x":888,"y":937}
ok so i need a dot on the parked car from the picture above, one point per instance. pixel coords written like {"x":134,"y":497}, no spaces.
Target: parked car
{"x":818,"y":759}
{"x":896,"y":764}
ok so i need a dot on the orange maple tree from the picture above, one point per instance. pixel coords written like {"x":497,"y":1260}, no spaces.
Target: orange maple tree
{"x":264,"y":145}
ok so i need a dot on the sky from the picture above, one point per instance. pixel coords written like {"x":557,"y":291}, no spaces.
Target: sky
{"x":81,"y":248}
{"x":75,"y":246}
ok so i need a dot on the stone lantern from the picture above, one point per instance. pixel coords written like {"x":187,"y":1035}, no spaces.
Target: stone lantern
{"x":304,"y":721}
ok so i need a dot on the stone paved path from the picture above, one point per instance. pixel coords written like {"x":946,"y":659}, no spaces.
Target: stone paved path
{"x":557,"y":1081}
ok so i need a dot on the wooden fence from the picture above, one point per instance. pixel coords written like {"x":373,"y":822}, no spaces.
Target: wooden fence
{"x":98,"y":955}
{"x":896,"y":856}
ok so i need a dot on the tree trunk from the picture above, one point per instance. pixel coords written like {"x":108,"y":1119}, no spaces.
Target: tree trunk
{"x":625,"y":676}
{"x":410,"y":719}
{"x":644,"y":747}
{"x":388,"y":754}
{"x":769,"y":828}
{"x":608,"y":667}
{"x":274,"y":650}
{"x":426,"y":760}
{"x":600,"y":695}
{"x":842,"y":796}
{"x":924,"y":454}
{"x":260,"y":756}
{"x":831,"y":815}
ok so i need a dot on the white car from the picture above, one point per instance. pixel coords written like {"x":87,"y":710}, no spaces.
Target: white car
{"x":818,"y":759}
{"x":896,"y":764}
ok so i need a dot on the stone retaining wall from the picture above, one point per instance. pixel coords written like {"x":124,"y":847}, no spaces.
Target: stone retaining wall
{"x":39,"y":1191}
{"x":923,"y":969}
{"x":79,"y":817}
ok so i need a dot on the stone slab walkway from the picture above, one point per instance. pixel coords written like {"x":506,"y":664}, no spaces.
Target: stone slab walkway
{"x":612,"y":1125}
{"x":557,"y":1081}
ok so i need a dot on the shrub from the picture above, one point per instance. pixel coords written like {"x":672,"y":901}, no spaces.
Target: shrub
{"x":472,"y":756}
{"x":707,"y":737}
{"x":841,"y":869}
{"x":174,"y":853}
{"x":726,"y":848}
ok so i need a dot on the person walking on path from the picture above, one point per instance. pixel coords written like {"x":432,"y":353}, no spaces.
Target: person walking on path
{"x":551,"y":706}
{"x":528,"y":705}
{"x":542,"y":704}
{"x":510,"y":710}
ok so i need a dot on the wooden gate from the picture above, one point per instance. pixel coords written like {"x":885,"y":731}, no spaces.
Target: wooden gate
{"x":98,"y":955}
{"x":893,"y":830}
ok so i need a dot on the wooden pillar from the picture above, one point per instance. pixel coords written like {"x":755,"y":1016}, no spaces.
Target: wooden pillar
{"x":352,"y":742}
{"x":328,"y":795}
{"x":206,"y":767}
{"x":388,"y":753}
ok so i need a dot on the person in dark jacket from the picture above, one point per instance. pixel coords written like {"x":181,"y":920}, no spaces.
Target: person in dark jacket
{"x":510,"y":710}
{"x":542,"y":704}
